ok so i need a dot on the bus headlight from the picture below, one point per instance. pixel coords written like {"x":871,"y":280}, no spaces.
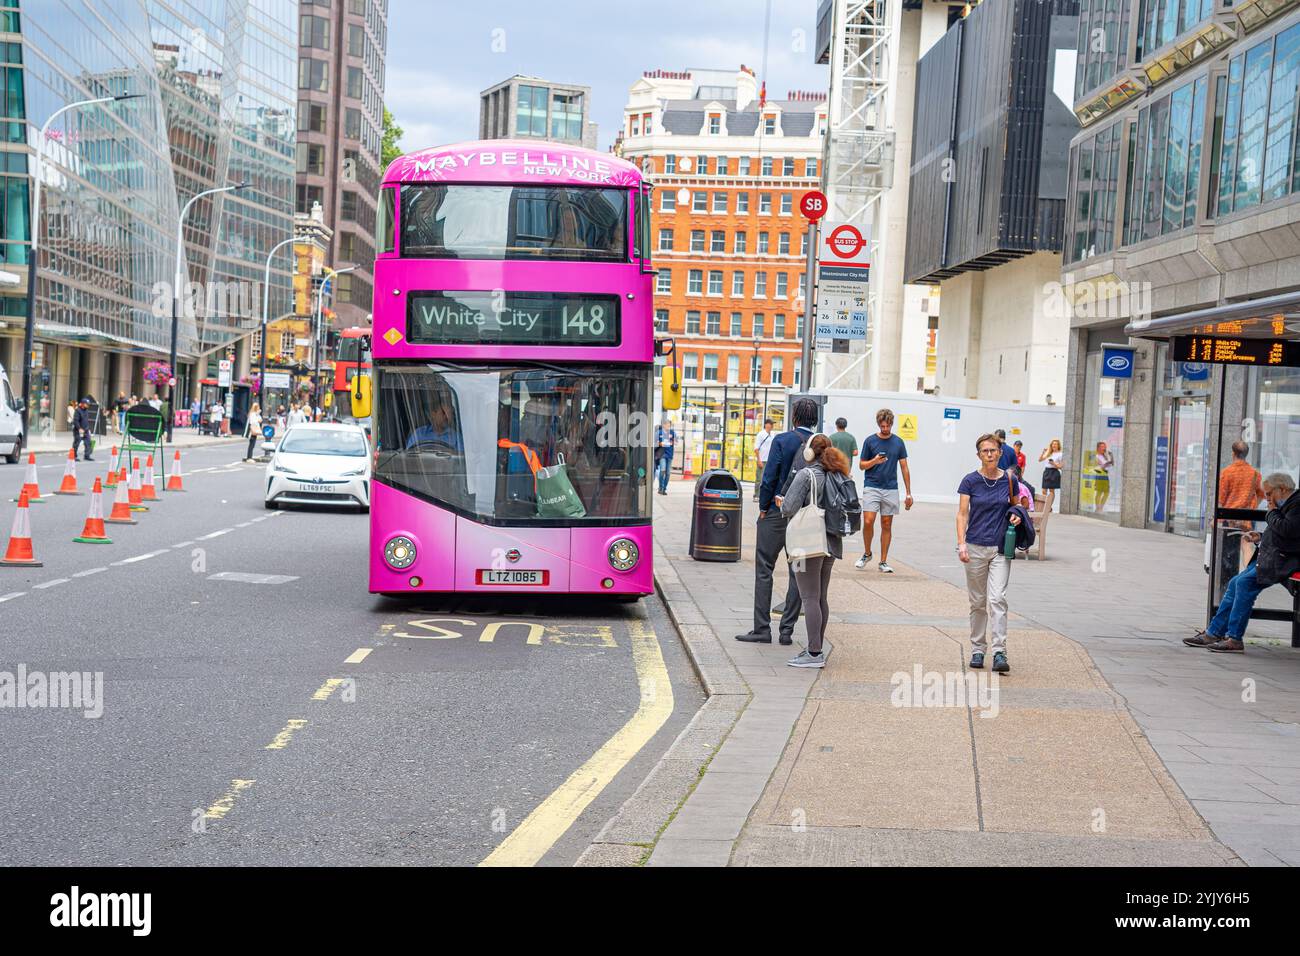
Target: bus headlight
{"x":624,"y":554}
{"x":399,"y":553}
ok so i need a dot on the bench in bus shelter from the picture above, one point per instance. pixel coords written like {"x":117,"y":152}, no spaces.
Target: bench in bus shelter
{"x":1292,"y":584}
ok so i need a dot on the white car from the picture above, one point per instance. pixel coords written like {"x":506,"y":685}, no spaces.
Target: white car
{"x":320,"y":463}
{"x":11,"y":421}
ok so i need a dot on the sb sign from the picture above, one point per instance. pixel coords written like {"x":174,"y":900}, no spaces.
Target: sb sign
{"x":813,"y":205}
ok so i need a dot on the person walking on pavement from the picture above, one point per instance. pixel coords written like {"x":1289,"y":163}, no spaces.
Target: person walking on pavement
{"x":883,"y":455}
{"x":1055,"y":458}
{"x":813,"y":575}
{"x":1277,"y":558}
{"x":120,"y":406}
{"x":982,"y":516}
{"x":783,"y":460}
{"x":81,"y":429}
{"x":217,"y":413}
{"x":843,"y":440}
{"x":254,"y":427}
{"x":762,"y":446}
{"x":1006,"y":454}
{"x":665,"y":442}
{"x":1240,"y":486}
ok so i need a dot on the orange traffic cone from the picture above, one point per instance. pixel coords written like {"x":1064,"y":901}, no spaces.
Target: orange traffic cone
{"x":174,"y":479}
{"x":134,"y":493}
{"x":149,"y":487}
{"x":69,"y":485}
{"x":111,"y":481}
{"x":121,"y":513}
{"x":29,"y":482}
{"x":19,"y":553}
{"x":93,"y":532}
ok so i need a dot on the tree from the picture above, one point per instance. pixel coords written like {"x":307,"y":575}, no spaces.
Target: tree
{"x":389,"y":150}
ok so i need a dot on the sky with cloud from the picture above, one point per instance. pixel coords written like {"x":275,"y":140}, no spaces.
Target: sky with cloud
{"x":441,"y":54}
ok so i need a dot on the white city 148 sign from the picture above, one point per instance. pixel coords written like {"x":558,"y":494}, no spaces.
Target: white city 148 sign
{"x":843,"y":274}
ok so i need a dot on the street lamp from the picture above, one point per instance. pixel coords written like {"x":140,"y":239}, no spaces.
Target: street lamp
{"x":30,"y":331}
{"x":266,"y":308}
{"x":320,"y":301}
{"x":179,"y":278}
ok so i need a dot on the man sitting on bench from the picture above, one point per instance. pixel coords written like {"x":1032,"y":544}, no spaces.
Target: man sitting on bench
{"x":1276,"y":560}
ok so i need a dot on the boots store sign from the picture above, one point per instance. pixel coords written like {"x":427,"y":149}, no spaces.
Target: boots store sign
{"x":1116,"y":362}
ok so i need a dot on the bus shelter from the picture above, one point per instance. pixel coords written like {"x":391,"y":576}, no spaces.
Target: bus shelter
{"x":1231,"y":340}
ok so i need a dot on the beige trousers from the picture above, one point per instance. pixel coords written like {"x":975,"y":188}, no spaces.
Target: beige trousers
{"x":987,"y":575}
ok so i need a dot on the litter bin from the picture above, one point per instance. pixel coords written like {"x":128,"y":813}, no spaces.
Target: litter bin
{"x":716,"y":517}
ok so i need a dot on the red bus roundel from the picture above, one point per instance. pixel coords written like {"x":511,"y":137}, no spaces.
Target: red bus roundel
{"x":845,"y":241}
{"x":813,"y":205}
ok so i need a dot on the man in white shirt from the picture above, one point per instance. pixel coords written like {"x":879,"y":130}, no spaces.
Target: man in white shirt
{"x":762,"y":442}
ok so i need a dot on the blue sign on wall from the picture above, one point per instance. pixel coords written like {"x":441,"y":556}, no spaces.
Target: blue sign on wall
{"x":1115,"y":421}
{"x":1116,"y":363}
{"x":1160,"y":480}
{"x":1194,"y":371}
{"x":954,"y":413}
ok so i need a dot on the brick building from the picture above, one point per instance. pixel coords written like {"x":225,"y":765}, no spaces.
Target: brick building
{"x":729,"y":240}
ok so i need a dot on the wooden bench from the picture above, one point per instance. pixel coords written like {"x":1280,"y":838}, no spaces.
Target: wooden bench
{"x":1042,"y":511}
{"x":1293,"y":585}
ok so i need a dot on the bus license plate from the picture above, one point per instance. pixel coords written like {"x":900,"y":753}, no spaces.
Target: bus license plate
{"x":493,"y":576}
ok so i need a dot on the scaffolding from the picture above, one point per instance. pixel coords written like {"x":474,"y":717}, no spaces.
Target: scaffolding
{"x":859,"y":147}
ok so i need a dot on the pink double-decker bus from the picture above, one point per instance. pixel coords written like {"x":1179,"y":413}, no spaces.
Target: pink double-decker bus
{"x":513,"y":356}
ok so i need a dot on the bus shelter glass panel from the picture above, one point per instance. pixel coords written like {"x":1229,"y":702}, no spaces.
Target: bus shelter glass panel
{"x":1101,"y":458}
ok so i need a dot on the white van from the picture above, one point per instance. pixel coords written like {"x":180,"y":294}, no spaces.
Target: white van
{"x":11,"y":421}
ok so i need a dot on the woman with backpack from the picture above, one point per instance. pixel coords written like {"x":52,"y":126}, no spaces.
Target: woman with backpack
{"x":813,"y":573}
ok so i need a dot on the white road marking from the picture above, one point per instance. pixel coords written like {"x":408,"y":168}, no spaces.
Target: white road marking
{"x":10,"y":597}
{"x":215,"y":534}
{"x":357,"y":656}
{"x":88,"y":573}
{"x":139,"y":557}
{"x":183,"y":544}
{"x":49,"y":584}
{"x":243,"y":524}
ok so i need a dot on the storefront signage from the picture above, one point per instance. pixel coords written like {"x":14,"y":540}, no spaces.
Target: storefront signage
{"x":1235,"y":351}
{"x":1114,"y":421}
{"x":511,"y":318}
{"x":1116,"y":362}
{"x":1160,"y":480}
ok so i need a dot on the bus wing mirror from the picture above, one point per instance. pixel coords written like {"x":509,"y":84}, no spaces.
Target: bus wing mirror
{"x":362,"y":395}
{"x":672,"y":388}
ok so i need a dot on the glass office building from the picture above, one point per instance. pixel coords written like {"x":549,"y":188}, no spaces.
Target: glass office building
{"x":1183,"y":194}
{"x":215,"y":106}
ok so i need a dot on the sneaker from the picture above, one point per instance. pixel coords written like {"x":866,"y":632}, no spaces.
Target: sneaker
{"x":862,"y":561}
{"x":1202,"y":639}
{"x":1000,"y":664}
{"x":977,"y":661}
{"x":886,"y":568}
{"x":805,"y":659}
{"x":1228,"y":646}
{"x":752,"y":638}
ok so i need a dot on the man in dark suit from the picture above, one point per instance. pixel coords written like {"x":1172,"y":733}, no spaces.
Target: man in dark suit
{"x":784,"y":457}
{"x":1276,"y":560}
{"x":81,"y":427}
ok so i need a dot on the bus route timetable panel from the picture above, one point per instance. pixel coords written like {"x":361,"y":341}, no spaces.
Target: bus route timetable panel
{"x":1217,"y":350}
{"x":512,"y":318}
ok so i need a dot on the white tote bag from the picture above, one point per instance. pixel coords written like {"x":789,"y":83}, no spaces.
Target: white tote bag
{"x":805,"y":534}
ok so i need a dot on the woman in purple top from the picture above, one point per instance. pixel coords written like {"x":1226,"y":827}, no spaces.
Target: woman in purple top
{"x":985,"y":499}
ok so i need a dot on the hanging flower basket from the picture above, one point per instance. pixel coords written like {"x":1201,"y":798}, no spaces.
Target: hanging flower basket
{"x":157,"y":373}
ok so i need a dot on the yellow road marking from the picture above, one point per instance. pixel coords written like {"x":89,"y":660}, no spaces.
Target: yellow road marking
{"x":546,"y":824}
{"x":357,"y":656}
{"x":327,"y":688}
{"x":283,"y":737}
{"x":222,"y":806}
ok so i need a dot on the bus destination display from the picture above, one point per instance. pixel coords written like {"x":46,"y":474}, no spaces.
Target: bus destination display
{"x":511,"y":318}
{"x":1236,"y":351}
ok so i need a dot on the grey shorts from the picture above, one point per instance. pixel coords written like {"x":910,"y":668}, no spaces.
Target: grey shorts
{"x":880,"y":500}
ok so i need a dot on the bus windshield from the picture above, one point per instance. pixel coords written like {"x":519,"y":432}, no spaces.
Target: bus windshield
{"x":451,"y":221}
{"x":517,"y":444}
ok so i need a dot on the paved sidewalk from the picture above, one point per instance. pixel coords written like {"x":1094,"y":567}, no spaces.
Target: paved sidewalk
{"x":1112,"y":743}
